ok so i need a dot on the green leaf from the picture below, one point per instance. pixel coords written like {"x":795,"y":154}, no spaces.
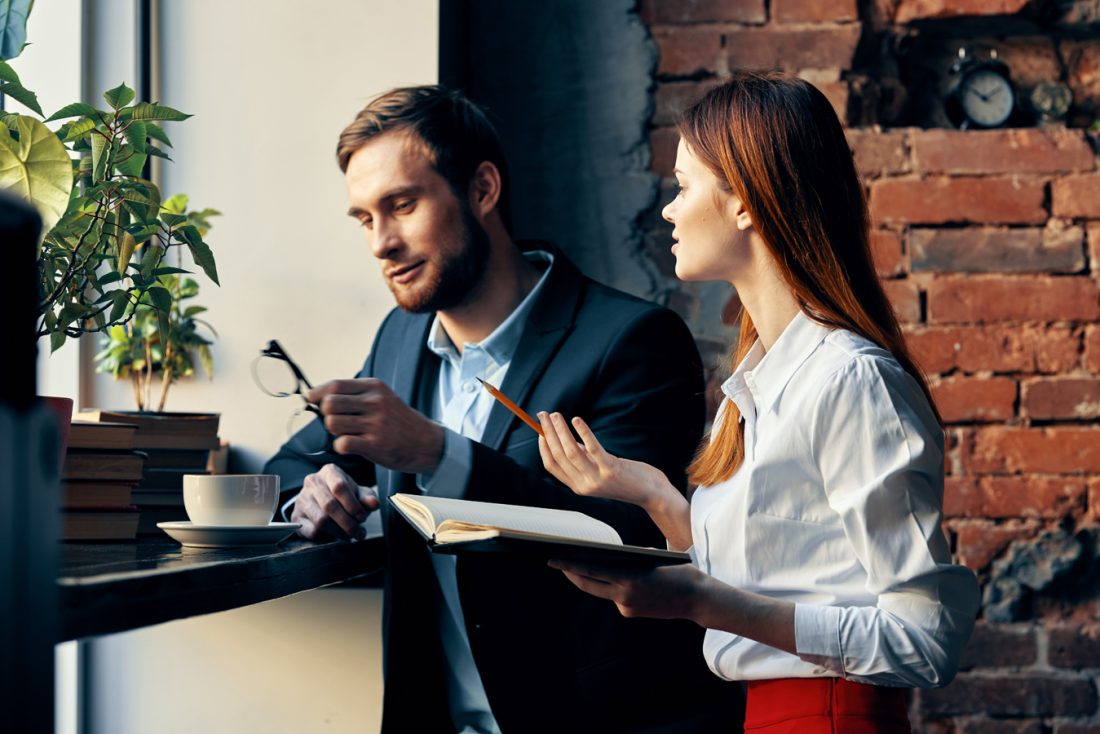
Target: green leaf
{"x":76,"y":109}
{"x":154,"y":150}
{"x":148,"y":111}
{"x":136,"y":134}
{"x":120,"y":96}
{"x":38,"y":168}
{"x":169,"y":271}
{"x":7,"y":74}
{"x":175,"y":204}
{"x":200,"y":251}
{"x":20,"y":94}
{"x":131,"y":162}
{"x":112,"y":277}
{"x":160,"y":298}
{"x":121,"y":300}
{"x":193,"y":311}
{"x":99,"y":158}
{"x":13,"y":16}
{"x":156,"y":132}
{"x":126,"y":245}
{"x":172,"y":220}
{"x":57,"y":338}
{"x":77,"y":129}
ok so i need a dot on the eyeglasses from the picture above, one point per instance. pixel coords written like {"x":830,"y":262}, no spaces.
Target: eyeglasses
{"x":276,"y":374}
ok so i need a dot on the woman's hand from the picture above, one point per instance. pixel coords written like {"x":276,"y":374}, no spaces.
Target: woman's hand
{"x":592,"y":472}
{"x":667,"y":592}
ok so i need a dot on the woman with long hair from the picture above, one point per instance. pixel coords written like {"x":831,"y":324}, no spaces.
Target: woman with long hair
{"x":819,"y":567}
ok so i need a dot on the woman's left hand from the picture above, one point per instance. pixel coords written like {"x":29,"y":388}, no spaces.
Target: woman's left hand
{"x":667,"y":592}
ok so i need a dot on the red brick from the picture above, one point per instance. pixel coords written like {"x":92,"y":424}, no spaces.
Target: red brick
{"x":663,"y":142}
{"x":995,"y":348}
{"x":687,"y":50}
{"x":1092,"y":349}
{"x":994,"y":200}
{"x":831,"y":47}
{"x":979,"y":542}
{"x":878,"y":153}
{"x":910,"y":10}
{"x":1059,"y":450}
{"x":998,"y":249}
{"x":672,"y":98}
{"x":886,"y":252}
{"x":999,"y":646}
{"x":1067,"y":398}
{"x":1074,"y":647}
{"x":1076,"y":196}
{"x":837,"y":93}
{"x":994,"y":498}
{"x":905,"y":298}
{"x":970,"y":399}
{"x":813,"y":11}
{"x":1021,"y":150}
{"x":980,"y":299}
{"x":1077,"y":729}
{"x":702,"y":11}
{"x":1030,"y":695}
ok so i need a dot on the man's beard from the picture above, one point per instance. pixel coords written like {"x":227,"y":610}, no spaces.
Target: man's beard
{"x":458,"y":277}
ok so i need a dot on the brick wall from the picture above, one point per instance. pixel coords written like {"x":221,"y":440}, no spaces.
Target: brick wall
{"x":988,"y":245}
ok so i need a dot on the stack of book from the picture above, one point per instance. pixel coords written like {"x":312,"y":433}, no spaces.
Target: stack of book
{"x":174,"y":444}
{"x":98,"y":478}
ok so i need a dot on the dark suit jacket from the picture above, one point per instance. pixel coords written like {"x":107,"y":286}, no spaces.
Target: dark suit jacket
{"x":551,"y":657}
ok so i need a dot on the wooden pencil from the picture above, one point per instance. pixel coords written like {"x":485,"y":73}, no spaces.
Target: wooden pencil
{"x":507,"y":403}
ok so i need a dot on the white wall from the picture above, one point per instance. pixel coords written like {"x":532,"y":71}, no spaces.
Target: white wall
{"x":270,"y":86}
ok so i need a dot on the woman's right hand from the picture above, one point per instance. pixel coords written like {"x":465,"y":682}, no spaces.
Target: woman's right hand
{"x":592,"y":472}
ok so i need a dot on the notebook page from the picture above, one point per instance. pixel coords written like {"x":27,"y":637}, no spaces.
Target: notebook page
{"x":564,"y":523}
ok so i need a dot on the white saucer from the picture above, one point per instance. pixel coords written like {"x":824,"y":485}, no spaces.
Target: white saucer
{"x":221,"y":536}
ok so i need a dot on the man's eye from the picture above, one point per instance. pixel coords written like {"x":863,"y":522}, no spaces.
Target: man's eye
{"x":366,"y":223}
{"x":405,"y":205}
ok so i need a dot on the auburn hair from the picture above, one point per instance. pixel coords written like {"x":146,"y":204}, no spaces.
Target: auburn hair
{"x":778,"y":144}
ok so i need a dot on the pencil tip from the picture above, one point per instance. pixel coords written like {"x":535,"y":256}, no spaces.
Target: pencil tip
{"x":480,"y":380}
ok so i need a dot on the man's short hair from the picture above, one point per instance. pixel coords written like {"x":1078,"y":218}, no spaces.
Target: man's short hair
{"x":455,"y":134}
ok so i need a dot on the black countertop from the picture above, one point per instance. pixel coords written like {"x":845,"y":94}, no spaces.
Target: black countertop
{"x":113,"y":587}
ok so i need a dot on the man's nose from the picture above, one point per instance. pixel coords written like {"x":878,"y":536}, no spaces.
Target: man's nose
{"x":386,"y":240}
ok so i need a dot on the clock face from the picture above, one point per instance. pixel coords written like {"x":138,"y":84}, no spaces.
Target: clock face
{"x":986,"y":97}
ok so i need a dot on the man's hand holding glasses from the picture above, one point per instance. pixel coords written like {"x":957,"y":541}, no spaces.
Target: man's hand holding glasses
{"x":362,"y":417}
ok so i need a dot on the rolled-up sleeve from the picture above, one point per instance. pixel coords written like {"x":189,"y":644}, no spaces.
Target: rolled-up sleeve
{"x":880,"y":453}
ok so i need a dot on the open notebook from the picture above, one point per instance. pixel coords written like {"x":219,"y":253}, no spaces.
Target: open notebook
{"x":460,"y":526}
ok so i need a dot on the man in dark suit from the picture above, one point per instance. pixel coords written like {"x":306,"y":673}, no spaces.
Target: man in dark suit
{"x":496,"y":643}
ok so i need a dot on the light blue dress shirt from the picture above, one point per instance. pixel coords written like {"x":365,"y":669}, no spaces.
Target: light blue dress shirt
{"x":462,"y":406}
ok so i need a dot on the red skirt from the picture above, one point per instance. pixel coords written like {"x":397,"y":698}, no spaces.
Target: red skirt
{"x":824,"y":706}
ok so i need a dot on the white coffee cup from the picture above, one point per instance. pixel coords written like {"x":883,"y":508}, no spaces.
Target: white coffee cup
{"x":230,"y":499}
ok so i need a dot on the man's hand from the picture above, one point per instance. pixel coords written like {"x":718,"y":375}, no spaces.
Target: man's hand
{"x":369,"y":420}
{"x":331,"y":504}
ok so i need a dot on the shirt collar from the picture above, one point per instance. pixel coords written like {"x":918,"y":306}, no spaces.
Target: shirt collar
{"x":501,"y":344}
{"x":763,"y":375}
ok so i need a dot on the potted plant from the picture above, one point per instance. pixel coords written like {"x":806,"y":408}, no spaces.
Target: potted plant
{"x":106,"y":231}
{"x":142,"y":348}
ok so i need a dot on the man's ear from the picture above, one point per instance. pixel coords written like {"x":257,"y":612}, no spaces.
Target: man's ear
{"x":485,"y":189}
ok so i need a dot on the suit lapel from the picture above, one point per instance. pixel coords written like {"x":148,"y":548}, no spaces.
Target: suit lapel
{"x":548,"y":325}
{"x":407,"y":365}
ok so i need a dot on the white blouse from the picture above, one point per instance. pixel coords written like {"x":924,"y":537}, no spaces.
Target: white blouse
{"x":836,"y":508}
